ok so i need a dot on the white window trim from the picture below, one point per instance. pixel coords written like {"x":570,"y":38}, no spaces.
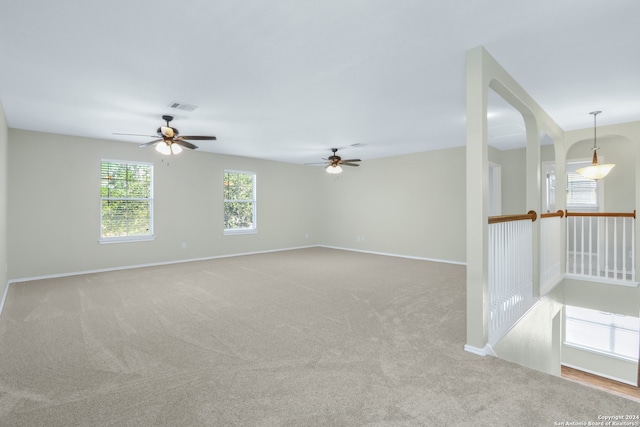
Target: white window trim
{"x":548,"y":202}
{"x":125,"y":239}
{"x":600,"y":184}
{"x":239,"y":231}
{"x":129,"y":239}
{"x":495,"y":189}
{"x":231,"y":231}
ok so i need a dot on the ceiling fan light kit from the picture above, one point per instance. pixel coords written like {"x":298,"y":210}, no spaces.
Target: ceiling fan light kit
{"x":595,"y":171}
{"x":170,"y":141}
{"x":334,"y":169}
{"x":168,"y":149}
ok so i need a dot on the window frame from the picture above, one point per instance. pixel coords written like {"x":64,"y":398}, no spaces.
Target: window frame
{"x":549,"y":186}
{"x":253,"y":201}
{"x":130,"y":238}
{"x":599,"y":188}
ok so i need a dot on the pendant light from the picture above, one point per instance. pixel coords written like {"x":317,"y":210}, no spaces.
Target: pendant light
{"x":595,"y":171}
{"x":334,"y":169}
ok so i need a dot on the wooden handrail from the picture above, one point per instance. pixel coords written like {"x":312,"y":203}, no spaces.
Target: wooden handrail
{"x":559,"y":213}
{"x":532,"y":215}
{"x":606,"y":214}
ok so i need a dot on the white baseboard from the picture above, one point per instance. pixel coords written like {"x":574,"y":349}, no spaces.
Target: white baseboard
{"x":487,"y":350}
{"x":154,"y":264}
{"x":444,"y":261}
{"x":475,"y":350}
{"x":4,"y":296}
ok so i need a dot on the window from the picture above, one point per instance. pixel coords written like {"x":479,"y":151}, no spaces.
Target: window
{"x":608,"y":333}
{"x":126,"y":193}
{"x":549,"y":187}
{"x":239,"y":202}
{"x":583,"y":194}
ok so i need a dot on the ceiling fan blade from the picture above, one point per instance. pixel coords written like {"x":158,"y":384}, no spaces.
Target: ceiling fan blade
{"x":198,"y":138}
{"x":150,"y":143}
{"x":185,"y":144}
{"x":135,"y":134}
{"x":351,"y":160}
{"x":349,"y":164}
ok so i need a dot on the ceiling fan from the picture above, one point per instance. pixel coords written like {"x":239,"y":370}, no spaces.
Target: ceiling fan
{"x":171,"y":142}
{"x":334,"y":162}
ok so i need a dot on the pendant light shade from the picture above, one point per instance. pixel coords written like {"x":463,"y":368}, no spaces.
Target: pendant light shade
{"x":163,"y":148}
{"x":595,"y":171}
{"x":334,"y":169}
{"x":175,"y":148}
{"x":168,"y":149}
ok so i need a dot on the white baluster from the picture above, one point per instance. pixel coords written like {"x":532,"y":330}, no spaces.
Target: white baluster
{"x":582,"y":245}
{"x":599,"y":246}
{"x":575,"y":244}
{"x":624,"y":249}
{"x":633,"y":249}
{"x":589,"y":231}
{"x":606,"y":247}
{"x":615,"y":248}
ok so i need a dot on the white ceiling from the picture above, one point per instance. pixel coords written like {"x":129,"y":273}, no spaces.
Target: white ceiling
{"x":289,"y":79}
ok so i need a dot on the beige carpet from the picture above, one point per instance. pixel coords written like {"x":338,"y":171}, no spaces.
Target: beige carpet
{"x":313,"y":337}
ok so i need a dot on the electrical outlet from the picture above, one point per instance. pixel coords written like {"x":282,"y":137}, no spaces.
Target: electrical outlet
{"x":184,"y":246}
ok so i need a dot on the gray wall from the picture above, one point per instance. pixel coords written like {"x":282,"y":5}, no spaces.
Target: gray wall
{"x":410,"y":205}
{"x":514,"y":189}
{"x":54,"y":206}
{"x":407,"y":205}
{"x":4,"y":143}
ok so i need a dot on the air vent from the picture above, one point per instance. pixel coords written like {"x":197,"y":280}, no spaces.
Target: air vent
{"x":182,"y":106}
